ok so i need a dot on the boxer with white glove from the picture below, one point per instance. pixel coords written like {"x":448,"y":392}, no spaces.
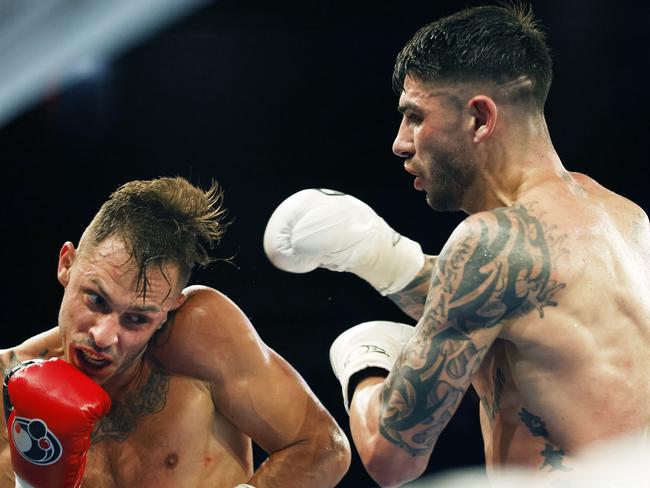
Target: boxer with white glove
{"x":328,"y":229}
{"x":51,"y":408}
{"x":375,"y":344}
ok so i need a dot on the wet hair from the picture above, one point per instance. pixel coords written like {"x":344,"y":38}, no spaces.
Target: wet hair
{"x":499,"y":44}
{"x":161,"y":221}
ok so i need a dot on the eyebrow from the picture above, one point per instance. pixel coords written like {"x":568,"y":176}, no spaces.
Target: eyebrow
{"x":403,"y":107}
{"x":132,"y":308}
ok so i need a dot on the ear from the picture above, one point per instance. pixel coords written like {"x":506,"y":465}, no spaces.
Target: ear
{"x":66,"y":258}
{"x":178,"y":301}
{"x":484,"y":113}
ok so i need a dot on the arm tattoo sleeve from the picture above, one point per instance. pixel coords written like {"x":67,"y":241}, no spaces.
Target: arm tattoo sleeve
{"x":412,"y":298}
{"x":498,"y":266}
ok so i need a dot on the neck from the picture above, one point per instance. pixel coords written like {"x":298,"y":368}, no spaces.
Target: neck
{"x":509,"y":165}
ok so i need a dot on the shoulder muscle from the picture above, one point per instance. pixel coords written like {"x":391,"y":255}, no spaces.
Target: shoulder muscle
{"x":208,"y":335}
{"x":495,"y":264}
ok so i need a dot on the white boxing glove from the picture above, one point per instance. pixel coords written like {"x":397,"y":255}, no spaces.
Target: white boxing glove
{"x":328,"y":229}
{"x":375,"y":344}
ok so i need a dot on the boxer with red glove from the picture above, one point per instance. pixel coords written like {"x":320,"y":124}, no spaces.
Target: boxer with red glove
{"x":51,"y":408}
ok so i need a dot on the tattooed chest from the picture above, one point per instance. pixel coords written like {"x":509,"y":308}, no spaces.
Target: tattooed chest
{"x":137,"y":405}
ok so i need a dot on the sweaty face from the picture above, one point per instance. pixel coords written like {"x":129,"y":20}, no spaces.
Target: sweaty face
{"x":435,"y":147}
{"x":105,"y":322}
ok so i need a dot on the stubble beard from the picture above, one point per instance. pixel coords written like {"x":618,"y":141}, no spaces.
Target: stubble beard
{"x":451,"y":174}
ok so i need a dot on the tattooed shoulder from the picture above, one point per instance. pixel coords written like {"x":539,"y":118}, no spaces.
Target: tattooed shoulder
{"x":501,"y":263}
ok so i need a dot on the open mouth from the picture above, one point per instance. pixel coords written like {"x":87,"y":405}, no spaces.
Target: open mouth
{"x":91,"y":360}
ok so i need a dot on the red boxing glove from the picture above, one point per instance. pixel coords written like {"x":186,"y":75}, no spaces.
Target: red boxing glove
{"x":51,"y":408}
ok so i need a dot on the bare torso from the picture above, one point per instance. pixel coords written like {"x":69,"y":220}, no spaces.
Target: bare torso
{"x":185,"y":443}
{"x":164,"y":432}
{"x":553,"y":384}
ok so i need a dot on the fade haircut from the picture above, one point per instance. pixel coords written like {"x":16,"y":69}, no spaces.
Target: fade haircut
{"x":499,"y":44}
{"x":161,"y":221}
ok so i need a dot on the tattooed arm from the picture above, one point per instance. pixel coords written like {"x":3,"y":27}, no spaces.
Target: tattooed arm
{"x":411,"y":299}
{"x":495,"y":265}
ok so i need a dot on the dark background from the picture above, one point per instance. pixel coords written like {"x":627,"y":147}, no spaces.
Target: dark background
{"x":273,"y":97}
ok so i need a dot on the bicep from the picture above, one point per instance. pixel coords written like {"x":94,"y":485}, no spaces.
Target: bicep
{"x":269,"y":401}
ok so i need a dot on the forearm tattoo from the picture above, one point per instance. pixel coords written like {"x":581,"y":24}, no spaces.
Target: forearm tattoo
{"x":501,"y":267}
{"x":412,"y":298}
{"x":552,"y":455}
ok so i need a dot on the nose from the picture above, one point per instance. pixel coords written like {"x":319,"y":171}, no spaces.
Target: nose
{"x":105,"y":331}
{"x":403,"y":144}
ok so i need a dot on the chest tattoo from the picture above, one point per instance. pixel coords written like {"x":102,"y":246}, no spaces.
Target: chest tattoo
{"x":123,"y":418}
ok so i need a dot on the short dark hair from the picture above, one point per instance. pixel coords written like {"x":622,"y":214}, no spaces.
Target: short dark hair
{"x":488,"y":43}
{"x":161,"y":221}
